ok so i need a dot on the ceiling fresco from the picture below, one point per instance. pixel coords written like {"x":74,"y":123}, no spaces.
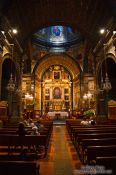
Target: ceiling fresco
{"x":57,"y":36}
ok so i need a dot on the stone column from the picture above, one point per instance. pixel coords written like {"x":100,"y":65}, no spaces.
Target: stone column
{"x":10,"y":104}
{"x":101,"y":105}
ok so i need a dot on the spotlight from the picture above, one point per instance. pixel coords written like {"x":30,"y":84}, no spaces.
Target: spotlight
{"x":102,"y":31}
{"x":3,"y":32}
{"x":14,"y":31}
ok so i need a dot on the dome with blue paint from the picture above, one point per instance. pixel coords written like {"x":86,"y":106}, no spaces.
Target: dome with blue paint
{"x":57,"y":36}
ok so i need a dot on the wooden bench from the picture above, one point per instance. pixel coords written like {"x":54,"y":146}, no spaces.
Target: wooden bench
{"x":94,"y":142}
{"x":71,"y":127}
{"x":15,"y":143}
{"x":74,"y":124}
{"x":94,"y":136}
{"x":90,"y":131}
{"x":109,"y":163}
{"x":13,"y":132}
{"x":18,"y":168}
{"x":96,"y":151}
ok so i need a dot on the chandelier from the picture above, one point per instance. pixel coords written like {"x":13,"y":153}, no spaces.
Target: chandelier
{"x":11,"y":84}
{"x":87,"y":98}
{"x":105,"y":84}
{"x":28,"y":96}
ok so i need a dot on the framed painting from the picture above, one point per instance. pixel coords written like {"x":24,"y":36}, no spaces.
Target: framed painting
{"x":56,"y":93}
{"x":47,"y":97}
{"x":91,"y":85}
{"x":56,"y":75}
{"x":66,"y":90}
{"x":66,"y":97}
{"x":47,"y":91}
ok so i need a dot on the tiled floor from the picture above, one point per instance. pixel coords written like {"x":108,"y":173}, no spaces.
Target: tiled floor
{"x":62,"y":158}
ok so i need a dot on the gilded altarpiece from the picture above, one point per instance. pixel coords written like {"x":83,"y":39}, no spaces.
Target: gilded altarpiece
{"x":56,"y":89}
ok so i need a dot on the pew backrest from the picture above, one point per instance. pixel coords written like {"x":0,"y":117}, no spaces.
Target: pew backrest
{"x":18,"y":168}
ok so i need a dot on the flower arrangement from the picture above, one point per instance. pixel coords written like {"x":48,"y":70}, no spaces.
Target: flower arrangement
{"x":89,"y":113}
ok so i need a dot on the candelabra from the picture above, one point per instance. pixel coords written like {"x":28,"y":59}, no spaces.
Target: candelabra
{"x":87,"y":97}
{"x":11,"y":84}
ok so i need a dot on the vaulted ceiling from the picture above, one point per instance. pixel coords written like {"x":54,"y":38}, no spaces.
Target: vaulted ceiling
{"x":86,"y":16}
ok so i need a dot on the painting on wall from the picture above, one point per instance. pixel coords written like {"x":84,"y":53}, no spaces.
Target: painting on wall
{"x":66,"y":97}
{"x":56,"y":93}
{"x":56,"y":75}
{"x":47,"y":97}
{"x":91,"y":85}
{"x":66,"y":90}
{"x":47,"y":91}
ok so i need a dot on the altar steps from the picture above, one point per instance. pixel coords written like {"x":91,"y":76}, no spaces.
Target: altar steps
{"x":59,"y":122}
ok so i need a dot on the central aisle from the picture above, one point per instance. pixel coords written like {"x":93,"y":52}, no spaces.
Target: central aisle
{"x":62,"y":158}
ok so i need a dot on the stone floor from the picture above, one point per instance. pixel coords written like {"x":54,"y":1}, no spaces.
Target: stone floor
{"x":62,"y":158}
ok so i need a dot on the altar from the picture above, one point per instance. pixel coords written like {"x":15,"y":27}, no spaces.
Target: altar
{"x":58,"y":115}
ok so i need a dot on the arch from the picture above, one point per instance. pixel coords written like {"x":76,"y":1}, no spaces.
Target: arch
{"x":17,"y":66}
{"x":52,"y":59}
{"x":112,"y":56}
{"x":7,"y":65}
{"x":70,"y":65}
{"x":60,"y":65}
{"x":100,"y":63}
{"x":108,"y":66}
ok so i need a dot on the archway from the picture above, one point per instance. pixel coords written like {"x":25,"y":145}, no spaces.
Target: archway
{"x":71,"y":69}
{"x":108,"y":66}
{"x":8,"y":68}
{"x":104,"y":95}
{"x":10,"y":73}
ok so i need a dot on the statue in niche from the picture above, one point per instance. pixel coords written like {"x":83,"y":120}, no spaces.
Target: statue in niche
{"x":57,"y":93}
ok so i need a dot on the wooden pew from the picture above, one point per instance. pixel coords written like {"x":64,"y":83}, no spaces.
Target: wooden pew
{"x":94,"y":136}
{"x":71,"y":127}
{"x":109,"y":163}
{"x":93,"y":142}
{"x":31,"y":141}
{"x":14,"y":143}
{"x":89,"y":131}
{"x":29,"y":131}
{"x":18,"y":168}
{"x":96,"y":151}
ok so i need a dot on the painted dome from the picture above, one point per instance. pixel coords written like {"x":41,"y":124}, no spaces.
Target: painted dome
{"x":57,"y":36}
